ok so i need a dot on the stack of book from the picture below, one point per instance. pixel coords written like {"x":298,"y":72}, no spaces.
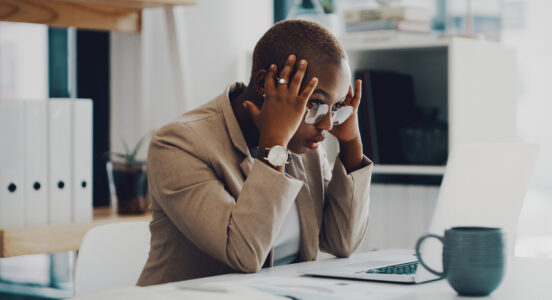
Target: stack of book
{"x":387,"y":106}
{"x":387,"y":23}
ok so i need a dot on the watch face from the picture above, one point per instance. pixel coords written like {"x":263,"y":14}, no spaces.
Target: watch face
{"x":277,"y":155}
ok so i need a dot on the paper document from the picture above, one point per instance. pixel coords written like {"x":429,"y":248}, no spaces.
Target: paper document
{"x":206,"y":291}
{"x":306,"y":288}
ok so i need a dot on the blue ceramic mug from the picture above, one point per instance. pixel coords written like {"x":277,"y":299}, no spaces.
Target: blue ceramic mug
{"x":473,"y":259}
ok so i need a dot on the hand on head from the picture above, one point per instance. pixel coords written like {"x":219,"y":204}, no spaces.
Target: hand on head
{"x":284,"y":107}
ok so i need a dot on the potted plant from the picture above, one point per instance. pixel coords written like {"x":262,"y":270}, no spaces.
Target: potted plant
{"x":128,"y":182}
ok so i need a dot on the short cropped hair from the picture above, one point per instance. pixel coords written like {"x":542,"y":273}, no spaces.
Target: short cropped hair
{"x":303,"y":38}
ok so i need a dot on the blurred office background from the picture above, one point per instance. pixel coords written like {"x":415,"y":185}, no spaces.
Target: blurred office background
{"x":140,"y":81}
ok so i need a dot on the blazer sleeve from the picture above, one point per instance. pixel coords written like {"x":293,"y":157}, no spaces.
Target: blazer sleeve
{"x":239,"y":232}
{"x":346,"y":206}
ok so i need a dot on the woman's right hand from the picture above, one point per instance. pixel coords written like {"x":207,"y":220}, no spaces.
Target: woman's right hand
{"x":283,"y":108}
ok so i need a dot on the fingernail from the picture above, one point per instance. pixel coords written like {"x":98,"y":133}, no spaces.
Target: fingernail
{"x":272,"y":66}
{"x":291,"y":57}
{"x":244,"y":105}
{"x":302,"y":62}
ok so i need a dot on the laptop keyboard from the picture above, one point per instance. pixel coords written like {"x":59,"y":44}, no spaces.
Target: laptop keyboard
{"x":404,"y":269}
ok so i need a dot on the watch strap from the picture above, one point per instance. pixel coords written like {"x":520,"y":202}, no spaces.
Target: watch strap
{"x":262,"y":153}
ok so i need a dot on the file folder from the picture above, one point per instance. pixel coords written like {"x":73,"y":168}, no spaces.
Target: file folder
{"x":12,"y":207}
{"x":36,"y":162}
{"x":59,"y":162}
{"x":82,"y":160}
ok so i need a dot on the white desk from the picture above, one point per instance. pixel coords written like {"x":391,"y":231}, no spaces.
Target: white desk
{"x":526,"y":278}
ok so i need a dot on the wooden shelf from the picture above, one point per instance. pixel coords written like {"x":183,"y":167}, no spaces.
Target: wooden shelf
{"x":409,"y":169}
{"x":53,"y":238}
{"x":116,"y":15}
{"x":395,"y":45}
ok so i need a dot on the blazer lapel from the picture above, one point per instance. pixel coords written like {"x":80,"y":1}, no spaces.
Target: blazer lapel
{"x":232,"y":125}
{"x":246,"y":165}
{"x":233,"y":128}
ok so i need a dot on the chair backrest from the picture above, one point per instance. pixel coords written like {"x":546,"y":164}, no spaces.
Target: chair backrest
{"x":111,"y":256}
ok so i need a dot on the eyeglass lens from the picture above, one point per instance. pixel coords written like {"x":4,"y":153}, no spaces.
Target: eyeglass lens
{"x":318,"y":111}
{"x":342,"y":114}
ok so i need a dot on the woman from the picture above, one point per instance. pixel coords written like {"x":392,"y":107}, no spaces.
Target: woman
{"x":242,"y":183}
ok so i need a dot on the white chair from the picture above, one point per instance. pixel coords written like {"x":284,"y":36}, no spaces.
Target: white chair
{"x":111,"y":256}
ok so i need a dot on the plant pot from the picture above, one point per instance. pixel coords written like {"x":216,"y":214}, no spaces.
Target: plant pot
{"x":128,"y":184}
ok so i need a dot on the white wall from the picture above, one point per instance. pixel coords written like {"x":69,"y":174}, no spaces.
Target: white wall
{"x":220,"y":34}
{"x":533,"y":44}
{"x":214,"y":37}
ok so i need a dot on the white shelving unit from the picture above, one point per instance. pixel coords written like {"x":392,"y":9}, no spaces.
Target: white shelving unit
{"x":471,"y":82}
{"x":473,"y":85}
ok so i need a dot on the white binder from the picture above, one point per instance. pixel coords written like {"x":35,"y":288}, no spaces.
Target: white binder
{"x":82,"y":160}
{"x":36,"y":162}
{"x":59,"y":163}
{"x":12,"y":207}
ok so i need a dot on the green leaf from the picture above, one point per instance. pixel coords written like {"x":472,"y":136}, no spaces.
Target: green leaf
{"x":123,"y":156}
{"x":137,"y":148}
{"x":125,"y":145}
{"x":110,"y":155}
{"x":128,"y":157}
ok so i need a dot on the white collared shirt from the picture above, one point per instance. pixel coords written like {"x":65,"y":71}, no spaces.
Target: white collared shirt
{"x":288,"y":241}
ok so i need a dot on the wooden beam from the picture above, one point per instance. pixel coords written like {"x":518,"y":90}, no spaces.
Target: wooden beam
{"x":72,"y":13}
{"x":137,"y":3}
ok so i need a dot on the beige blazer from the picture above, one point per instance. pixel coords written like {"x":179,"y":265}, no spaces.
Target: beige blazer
{"x":217,"y":210}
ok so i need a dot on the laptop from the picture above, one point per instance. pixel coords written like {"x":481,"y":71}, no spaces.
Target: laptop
{"x":483,"y":185}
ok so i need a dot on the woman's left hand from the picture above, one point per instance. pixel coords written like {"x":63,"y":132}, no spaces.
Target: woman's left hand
{"x":348,"y":131}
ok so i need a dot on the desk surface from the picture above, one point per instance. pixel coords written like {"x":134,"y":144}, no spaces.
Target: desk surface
{"x":526,"y":278}
{"x":53,"y":238}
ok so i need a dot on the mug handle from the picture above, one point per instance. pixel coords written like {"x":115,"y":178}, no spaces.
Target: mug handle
{"x":418,"y":244}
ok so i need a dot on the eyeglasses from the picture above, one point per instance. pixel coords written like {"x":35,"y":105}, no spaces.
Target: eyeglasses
{"x":317,"y":112}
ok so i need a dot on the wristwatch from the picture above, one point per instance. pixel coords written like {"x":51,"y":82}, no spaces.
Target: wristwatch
{"x":275,"y":155}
